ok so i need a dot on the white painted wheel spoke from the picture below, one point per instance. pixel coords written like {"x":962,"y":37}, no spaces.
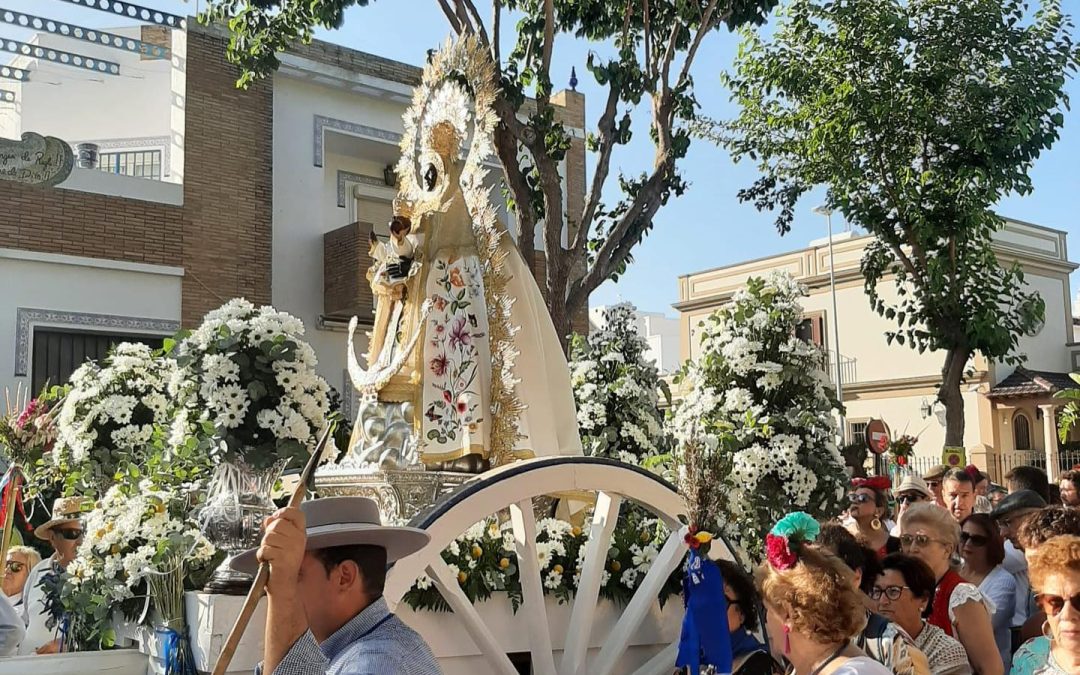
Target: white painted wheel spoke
{"x":446,"y":581}
{"x":532,"y":589}
{"x":662,"y":566}
{"x":661,"y":664}
{"x":590,"y":626}
{"x":581,"y":618}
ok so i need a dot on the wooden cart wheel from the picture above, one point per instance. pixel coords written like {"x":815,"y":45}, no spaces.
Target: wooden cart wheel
{"x":513,"y":487}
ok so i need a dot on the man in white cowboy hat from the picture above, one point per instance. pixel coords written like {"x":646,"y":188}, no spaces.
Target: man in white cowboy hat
{"x":64,"y":532}
{"x":325,"y":610}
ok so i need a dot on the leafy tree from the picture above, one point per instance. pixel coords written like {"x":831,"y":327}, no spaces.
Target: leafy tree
{"x":918,"y":115}
{"x":655,"y":42}
{"x":617,"y":392}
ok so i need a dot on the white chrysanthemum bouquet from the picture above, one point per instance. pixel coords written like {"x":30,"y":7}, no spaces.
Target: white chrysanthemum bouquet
{"x":617,"y":392}
{"x":111,"y":417}
{"x":756,"y":433}
{"x":246,"y":386}
{"x":134,"y":534}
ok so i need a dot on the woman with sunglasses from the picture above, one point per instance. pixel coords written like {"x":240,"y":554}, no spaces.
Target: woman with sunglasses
{"x":1055,"y":576}
{"x":983,"y":551}
{"x":750,"y":657}
{"x":903,"y":592}
{"x":929,"y":533}
{"x":867,"y":510}
{"x":20,"y":560}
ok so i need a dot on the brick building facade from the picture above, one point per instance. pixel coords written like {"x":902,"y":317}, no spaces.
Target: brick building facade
{"x":220,"y":235}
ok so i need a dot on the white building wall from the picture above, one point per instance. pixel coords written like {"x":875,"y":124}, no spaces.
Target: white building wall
{"x":77,"y":292}
{"x":79,"y":105}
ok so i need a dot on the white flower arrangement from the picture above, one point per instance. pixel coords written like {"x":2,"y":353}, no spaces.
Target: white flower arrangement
{"x":617,"y":392}
{"x":110,"y":416}
{"x":133,"y":533}
{"x":758,"y":412}
{"x":484,"y":561}
{"x":246,"y":383}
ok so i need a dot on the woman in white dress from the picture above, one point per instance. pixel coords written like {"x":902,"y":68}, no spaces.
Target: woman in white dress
{"x":983,"y":551}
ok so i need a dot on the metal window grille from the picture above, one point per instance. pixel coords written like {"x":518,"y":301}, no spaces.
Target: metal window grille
{"x":857,"y":432}
{"x":136,"y":163}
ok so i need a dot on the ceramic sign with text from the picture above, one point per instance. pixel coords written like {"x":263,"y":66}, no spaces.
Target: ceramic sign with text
{"x":35,"y":160}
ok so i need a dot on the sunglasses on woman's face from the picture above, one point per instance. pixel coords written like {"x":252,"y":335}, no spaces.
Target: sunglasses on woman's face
{"x":890,"y":592}
{"x":14,"y":566}
{"x":977,"y":540}
{"x":910,"y":499}
{"x":70,"y":535}
{"x":856,"y":498}
{"x":920,"y":540}
{"x":1054,"y":604}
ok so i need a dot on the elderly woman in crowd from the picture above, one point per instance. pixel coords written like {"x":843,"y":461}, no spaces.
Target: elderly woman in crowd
{"x":811,"y":603}
{"x":20,"y":560}
{"x":958,"y":608}
{"x":903,"y":592}
{"x":868,"y":511}
{"x":983,"y":551}
{"x":750,"y":656}
{"x":1055,"y":576}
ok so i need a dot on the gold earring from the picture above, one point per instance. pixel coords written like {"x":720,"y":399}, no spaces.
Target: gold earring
{"x":875,"y":523}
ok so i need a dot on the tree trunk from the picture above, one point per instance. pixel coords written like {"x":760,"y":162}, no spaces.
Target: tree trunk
{"x":561,"y":318}
{"x":949,"y":394}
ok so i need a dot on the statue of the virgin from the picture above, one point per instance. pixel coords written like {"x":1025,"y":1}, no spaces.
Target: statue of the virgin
{"x":465,"y":339}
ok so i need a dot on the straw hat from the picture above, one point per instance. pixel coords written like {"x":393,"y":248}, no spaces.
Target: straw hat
{"x":914,"y":484}
{"x":347,"y":521}
{"x":65,"y":510}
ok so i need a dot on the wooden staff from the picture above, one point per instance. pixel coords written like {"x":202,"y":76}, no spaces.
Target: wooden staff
{"x":9,"y":517}
{"x":258,"y":587}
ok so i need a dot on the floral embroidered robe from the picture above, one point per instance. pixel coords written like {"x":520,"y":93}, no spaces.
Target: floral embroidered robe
{"x":456,"y":359}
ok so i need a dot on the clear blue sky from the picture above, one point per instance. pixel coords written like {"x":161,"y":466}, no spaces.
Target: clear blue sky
{"x":705,"y":228}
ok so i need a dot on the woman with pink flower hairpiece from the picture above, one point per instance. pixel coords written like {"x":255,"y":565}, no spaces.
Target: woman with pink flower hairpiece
{"x":811,"y":604}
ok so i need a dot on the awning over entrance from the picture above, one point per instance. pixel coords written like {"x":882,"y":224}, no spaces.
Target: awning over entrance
{"x":1024,"y":383}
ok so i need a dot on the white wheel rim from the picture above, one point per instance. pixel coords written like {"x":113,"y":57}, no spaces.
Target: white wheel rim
{"x":514,"y":486}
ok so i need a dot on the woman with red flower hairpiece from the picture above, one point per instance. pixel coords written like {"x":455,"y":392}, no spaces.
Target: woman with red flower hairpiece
{"x":867,"y":510}
{"x":811,"y":603}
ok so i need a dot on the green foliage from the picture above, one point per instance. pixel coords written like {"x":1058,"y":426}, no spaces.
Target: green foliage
{"x":1070,"y":414}
{"x":918,"y":116}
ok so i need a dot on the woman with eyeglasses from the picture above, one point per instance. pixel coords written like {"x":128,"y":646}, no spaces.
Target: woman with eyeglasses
{"x":903,"y":592}
{"x":881,"y":639}
{"x":868,"y":507}
{"x":750,"y":657}
{"x":20,"y":560}
{"x":1055,"y":576}
{"x":983,"y":551}
{"x":929,"y":533}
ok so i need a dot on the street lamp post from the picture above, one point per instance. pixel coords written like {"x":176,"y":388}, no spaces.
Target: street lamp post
{"x":827,"y":212}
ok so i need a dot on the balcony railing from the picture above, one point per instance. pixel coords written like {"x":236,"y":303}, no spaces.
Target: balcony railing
{"x":848,"y":373}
